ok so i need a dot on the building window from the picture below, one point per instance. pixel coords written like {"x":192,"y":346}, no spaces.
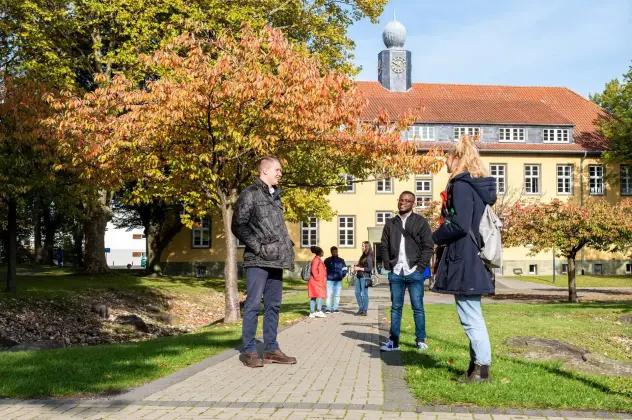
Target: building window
{"x":466,"y":131}
{"x":346,"y":231}
{"x":512,"y":134}
{"x":564,"y":268}
{"x":598,"y":269}
{"x":532,"y":179}
{"x":309,"y":233}
{"x":138,"y":236}
{"x":348,"y":180}
{"x":565,"y":179}
{"x":596,"y":181}
{"x":533,"y":269}
{"x":628,"y":268}
{"x":384,"y":186}
{"x":420,"y":132}
{"x":201,"y":233}
{"x":499,"y":173}
{"x":626,"y":180}
{"x":423,"y":186}
{"x":382,"y":216}
{"x":555,"y":135}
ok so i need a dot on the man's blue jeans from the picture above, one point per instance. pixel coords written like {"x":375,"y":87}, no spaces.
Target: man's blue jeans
{"x":266,"y":282}
{"x":471,"y":316}
{"x":333,"y":290}
{"x":415,"y":284}
{"x":362,"y":294}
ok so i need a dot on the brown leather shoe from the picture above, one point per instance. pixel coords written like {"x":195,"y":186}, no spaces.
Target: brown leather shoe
{"x":279,"y":357}
{"x":252,"y":360}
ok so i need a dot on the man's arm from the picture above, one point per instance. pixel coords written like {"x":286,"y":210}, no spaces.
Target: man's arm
{"x":459,"y":225}
{"x":427,"y":245}
{"x":240,"y":225}
{"x":344,"y":268}
{"x":385,"y":246}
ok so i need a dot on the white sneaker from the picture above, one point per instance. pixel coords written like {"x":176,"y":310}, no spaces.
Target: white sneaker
{"x":320,"y":314}
{"x":389,"y":346}
{"x":422,"y":346}
{"x":313,"y":315}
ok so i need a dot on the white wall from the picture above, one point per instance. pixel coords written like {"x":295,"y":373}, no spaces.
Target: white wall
{"x":122,"y":245}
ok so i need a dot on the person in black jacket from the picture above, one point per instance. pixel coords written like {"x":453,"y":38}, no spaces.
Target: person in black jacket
{"x":406,"y":248}
{"x":460,"y":271}
{"x":259,"y":223}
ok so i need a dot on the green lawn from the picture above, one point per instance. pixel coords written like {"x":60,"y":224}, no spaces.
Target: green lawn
{"x":520,"y":382}
{"x":106,"y":368}
{"x":582,"y":281}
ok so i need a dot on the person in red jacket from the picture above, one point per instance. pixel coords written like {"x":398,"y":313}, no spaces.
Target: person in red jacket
{"x":317,"y":284}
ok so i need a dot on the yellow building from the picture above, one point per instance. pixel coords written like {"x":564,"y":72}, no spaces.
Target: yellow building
{"x":539,"y":142}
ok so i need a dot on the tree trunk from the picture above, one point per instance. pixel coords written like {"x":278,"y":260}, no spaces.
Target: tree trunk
{"x":12,"y":246}
{"x":161,"y":224}
{"x":231,"y":312}
{"x":99,"y":214}
{"x":572,"y":284}
{"x":78,"y":245}
{"x":37,"y":232}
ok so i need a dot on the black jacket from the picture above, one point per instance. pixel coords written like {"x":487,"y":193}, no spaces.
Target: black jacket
{"x":418,"y":242}
{"x":259,"y":223}
{"x":461,"y":271}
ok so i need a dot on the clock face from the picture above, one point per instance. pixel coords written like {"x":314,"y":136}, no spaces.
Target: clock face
{"x":398,"y":65}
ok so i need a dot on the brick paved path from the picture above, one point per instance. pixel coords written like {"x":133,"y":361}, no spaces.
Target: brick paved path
{"x":339,"y":375}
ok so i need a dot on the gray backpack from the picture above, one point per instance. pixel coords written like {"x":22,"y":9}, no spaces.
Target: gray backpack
{"x":491,"y":247}
{"x":306,"y":272}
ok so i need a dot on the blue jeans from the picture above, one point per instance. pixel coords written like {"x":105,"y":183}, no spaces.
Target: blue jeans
{"x":415,"y":284}
{"x":471,"y":316}
{"x":315,"y":303}
{"x":333,"y":290}
{"x":266,"y":282}
{"x":362,"y":293}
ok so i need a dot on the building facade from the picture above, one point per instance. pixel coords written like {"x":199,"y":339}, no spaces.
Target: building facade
{"x":538,"y":142}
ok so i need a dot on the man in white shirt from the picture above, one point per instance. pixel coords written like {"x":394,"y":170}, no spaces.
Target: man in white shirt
{"x":406,"y":248}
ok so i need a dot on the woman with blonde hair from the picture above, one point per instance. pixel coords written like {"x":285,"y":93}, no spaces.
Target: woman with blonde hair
{"x":460,"y":271}
{"x":363,"y":271}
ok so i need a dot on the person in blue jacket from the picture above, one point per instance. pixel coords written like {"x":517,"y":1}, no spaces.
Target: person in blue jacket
{"x":460,"y":270}
{"x":336,"y":271}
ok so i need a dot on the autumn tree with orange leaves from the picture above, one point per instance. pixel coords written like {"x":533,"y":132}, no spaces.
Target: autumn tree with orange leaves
{"x":568,"y":227}
{"x":194,"y":134}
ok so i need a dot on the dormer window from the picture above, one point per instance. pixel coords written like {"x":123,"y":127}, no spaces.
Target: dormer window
{"x":555,"y":135}
{"x":513,"y":135}
{"x":466,"y":131}
{"x":419,"y":132}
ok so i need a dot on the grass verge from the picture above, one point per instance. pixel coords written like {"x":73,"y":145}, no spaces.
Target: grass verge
{"x":521,"y":382}
{"x":582,"y":281}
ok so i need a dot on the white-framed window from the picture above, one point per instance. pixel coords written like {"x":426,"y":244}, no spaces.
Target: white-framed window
{"x":532,"y":179}
{"x":628,"y":268}
{"x":424,"y":175}
{"x":349,"y":181}
{"x":420,"y":132}
{"x":466,"y":131}
{"x":384,"y":186}
{"x":423,"y":186}
{"x":596,"y":180}
{"x":309,"y":233}
{"x":555,"y":135}
{"x":201,"y":233}
{"x":499,"y":173}
{"x":598,"y":269}
{"x":533,"y":269}
{"x":626,"y":180}
{"x":514,"y":135}
{"x":564,"y":268}
{"x":382,"y":216}
{"x":565,"y":179}
{"x":423,"y":201}
{"x":346,"y":231}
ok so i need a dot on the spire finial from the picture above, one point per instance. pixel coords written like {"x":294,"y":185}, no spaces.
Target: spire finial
{"x":394,"y":16}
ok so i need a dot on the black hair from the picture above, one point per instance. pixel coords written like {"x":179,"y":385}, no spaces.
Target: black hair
{"x":317,"y":250}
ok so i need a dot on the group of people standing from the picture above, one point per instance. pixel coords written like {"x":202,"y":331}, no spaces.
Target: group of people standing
{"x":327,"y":276}
{"x":407,"y":247}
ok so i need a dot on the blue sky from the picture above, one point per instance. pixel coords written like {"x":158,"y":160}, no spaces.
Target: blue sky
{"x":580,"y":44}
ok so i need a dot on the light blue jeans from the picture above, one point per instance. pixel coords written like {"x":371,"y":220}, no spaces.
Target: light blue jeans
{"x":362,"y":293}
{"x":471,"y":316}
{"x":333,"y":290}
{"x":316,"y":304}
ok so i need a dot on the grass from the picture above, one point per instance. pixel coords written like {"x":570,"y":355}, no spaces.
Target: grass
{"x":582,"y":281}
{"x":520,"y":382}
{"x":82,"y":371}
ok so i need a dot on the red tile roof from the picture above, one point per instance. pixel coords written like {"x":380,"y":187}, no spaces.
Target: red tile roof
{"x":484,"y":104}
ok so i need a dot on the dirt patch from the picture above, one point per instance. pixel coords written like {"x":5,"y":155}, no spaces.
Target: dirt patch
{"x":575,"y":358}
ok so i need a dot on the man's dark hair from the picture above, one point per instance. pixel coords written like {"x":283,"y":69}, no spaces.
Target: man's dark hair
{"x":333,"y":248}
{"x":408,"y":193}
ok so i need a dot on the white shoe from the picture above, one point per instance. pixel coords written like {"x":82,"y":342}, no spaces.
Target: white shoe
{"x":313,"y":315}
{"x":422,"y":346}
{"x":320,"y":314}
{"x":389,"y":346}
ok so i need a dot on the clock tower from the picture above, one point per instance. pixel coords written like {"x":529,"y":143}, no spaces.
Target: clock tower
{"x":393,"y":65}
